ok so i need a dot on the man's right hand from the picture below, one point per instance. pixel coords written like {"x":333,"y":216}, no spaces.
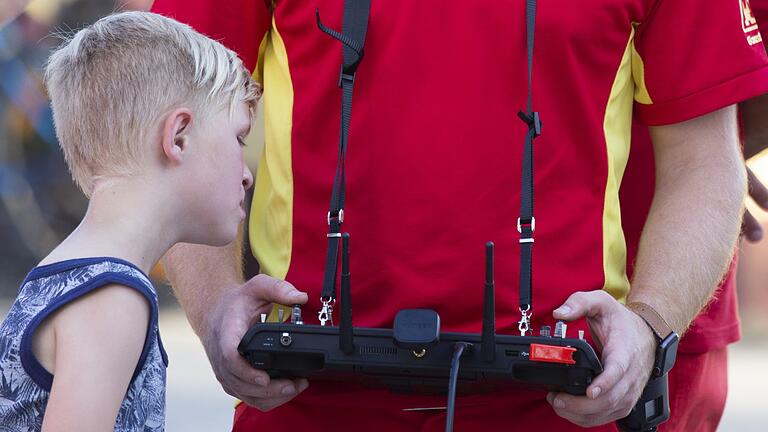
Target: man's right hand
{"x":237,"y":309}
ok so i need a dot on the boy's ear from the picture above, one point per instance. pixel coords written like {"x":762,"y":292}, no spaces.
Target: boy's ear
{"x":175,"y":138}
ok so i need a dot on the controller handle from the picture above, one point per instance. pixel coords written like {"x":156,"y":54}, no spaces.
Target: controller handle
{"x":651,"y":409}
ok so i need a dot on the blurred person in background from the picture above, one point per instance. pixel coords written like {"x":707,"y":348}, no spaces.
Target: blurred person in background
{"x":11,"y":9}
{"x":289,"y":54}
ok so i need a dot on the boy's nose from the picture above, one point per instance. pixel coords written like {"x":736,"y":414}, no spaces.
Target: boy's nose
{"x":247,"y":177}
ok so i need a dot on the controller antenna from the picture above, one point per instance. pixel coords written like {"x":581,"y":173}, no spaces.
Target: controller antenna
{"x":345,"y":320}
{"x":488,"y":339}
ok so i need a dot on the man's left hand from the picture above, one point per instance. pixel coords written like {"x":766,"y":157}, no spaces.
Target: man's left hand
{"x":629,"y":348}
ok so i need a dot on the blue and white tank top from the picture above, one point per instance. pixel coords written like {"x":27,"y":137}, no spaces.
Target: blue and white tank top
{"x":25,"y":385}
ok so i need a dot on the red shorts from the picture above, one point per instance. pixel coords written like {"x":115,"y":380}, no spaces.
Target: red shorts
{"x":698,"y":385}
{"x":370,"y":418}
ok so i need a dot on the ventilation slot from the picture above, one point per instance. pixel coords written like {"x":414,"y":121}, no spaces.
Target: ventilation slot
{"x":377,"y":350}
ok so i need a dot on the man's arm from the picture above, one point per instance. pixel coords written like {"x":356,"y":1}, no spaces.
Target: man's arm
{"x":208,"y":282}
{"x":99,"y":339}
{"x":200,"y":274}
{"x":693,"y":224}
{"x":686,"y":245}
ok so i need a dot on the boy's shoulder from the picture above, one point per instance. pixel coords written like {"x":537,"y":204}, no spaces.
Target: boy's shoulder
{"x":62,"y":276}
{"x":49,"y":288}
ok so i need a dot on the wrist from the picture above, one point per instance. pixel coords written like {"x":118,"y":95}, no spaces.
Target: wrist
{"x":666,"y":307}
{"x":665,"y":337}
{"x":203,"y":312}
{"x":658,"y":325}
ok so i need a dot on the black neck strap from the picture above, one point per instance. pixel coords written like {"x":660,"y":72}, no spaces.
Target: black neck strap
{"x":353,"y":34}
{"x":352,"y":37}
{"x":526,"y":223}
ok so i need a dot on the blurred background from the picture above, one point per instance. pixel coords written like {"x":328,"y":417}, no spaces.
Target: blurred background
{"x":39,"y":206}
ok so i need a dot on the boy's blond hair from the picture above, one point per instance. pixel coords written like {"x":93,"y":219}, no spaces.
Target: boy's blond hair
{"x":111,"y":83}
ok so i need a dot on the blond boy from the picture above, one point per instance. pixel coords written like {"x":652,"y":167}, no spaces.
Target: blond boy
{"x":151,"y":117}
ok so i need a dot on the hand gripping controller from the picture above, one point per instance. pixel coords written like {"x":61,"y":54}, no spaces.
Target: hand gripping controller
{"x":415,"y":357}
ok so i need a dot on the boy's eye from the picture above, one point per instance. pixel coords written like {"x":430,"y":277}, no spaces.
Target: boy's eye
{"x":241,"y":140}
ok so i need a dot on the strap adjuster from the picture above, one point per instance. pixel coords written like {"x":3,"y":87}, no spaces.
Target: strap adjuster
{"x":346,"y":77}
{"x":339,"y":215}
{"x":525,"y":237}
{"x":533,"y":121}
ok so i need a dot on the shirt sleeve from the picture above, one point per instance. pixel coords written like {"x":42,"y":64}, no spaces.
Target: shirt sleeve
{"x":690,"y":59}
{"x":240,"y":25}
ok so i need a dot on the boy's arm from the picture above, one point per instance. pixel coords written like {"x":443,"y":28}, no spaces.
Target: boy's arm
{"x":99,"y":339}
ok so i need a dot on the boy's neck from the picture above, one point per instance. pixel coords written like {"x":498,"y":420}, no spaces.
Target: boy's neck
{"x":127,"y":221}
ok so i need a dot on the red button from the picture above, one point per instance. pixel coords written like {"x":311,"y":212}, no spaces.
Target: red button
{"x":552,"y":354}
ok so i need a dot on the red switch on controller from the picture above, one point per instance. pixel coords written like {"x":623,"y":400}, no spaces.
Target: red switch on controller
{"x":552,"y":354}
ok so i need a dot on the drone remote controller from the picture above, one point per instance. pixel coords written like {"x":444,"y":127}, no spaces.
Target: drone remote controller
{"x":415,"y":357}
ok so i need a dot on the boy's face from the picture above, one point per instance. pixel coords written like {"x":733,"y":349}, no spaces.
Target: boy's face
{"x":218,"y":175}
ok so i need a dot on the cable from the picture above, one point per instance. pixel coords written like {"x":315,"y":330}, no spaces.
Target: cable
{"x":458,"y":349}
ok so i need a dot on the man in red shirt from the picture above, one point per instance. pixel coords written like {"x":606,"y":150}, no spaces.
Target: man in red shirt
{"x":433,"y":171}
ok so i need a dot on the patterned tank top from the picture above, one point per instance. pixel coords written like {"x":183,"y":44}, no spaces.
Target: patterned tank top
{"x":25,"y":385}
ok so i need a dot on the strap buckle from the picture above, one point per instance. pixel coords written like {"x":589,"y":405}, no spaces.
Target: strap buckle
{"x":531,"y":223}
{"x":339,"y":215}
{"x":524,"y":237}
